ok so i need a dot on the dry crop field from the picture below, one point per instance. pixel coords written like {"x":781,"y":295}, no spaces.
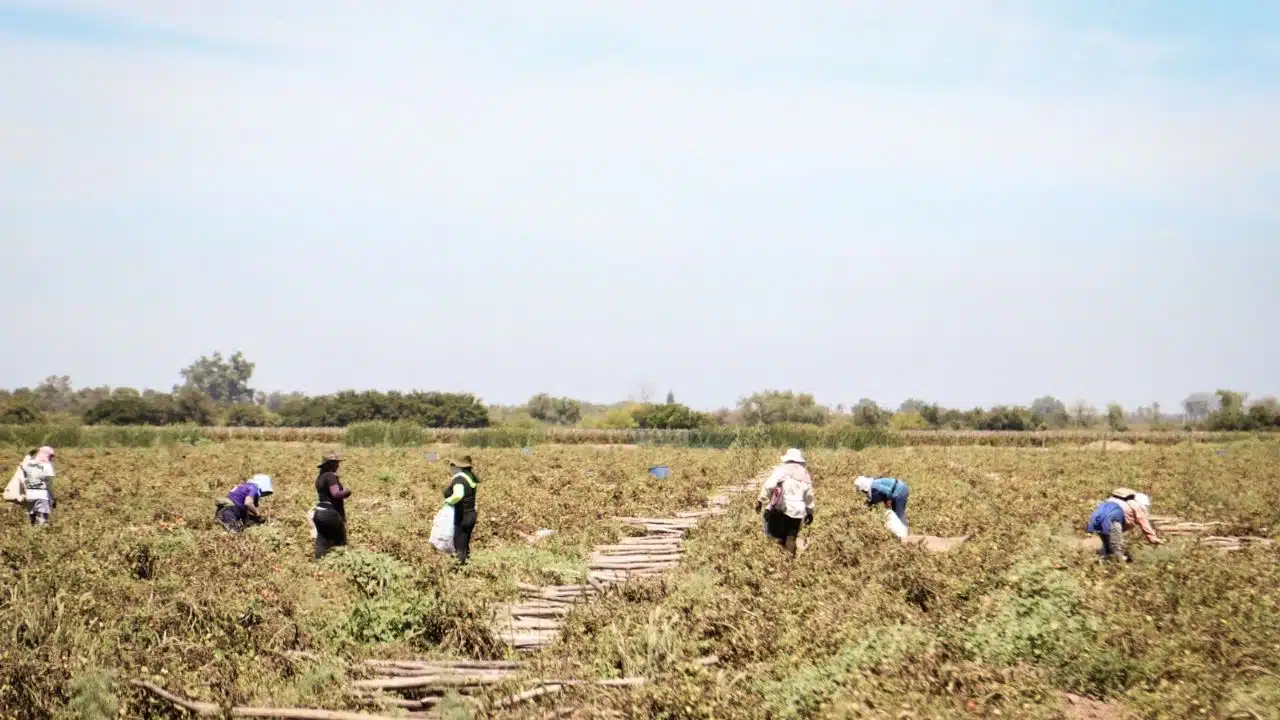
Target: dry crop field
{"x":134,"y":581}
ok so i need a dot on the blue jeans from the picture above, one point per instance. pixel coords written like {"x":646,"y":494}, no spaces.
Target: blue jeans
{"x":899,"y":503}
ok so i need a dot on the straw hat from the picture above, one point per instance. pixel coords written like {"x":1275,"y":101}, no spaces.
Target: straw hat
{"x":793,"y":456}
{"x":1123,"y":493}
{"x":332,"y":457}
{"x":462,"y":463}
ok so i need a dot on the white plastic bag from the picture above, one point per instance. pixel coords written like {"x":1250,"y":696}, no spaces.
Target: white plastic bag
{"x":13,"y":491}
{"x":895,"y":526}
{"x":311,"y":523}
{"x":442,"y":530}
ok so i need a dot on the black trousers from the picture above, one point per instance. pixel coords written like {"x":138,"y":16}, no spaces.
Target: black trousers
{"x":784,"y":529}
{"x":464,"y":523}
{"x":331,"y":530}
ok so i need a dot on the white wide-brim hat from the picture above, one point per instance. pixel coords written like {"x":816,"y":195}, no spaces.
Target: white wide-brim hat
{"x":793,"y":456}
{"x":263,"y":482}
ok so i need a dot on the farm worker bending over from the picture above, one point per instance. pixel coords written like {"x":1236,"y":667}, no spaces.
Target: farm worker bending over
{"x":13,"y":491}
{"x":461,"y":494}
{"x":37,"y":485}
{"x":240,"y":506}
{"x":1118,"y":513}
{"x":890,"y":492}
{"x":787,"y":497}
{"x":330,"y":514}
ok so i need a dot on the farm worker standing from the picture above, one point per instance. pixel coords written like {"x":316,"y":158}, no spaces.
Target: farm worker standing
{"x":37,"y":485}
{"x":240,"y":506}
{"x":787,"y":499}
{"x":891,"y":492}
{"x":13,"y":491}
{"x":330,"y":514}
{"x":461,"y":494}
{"x":1118,"y":513}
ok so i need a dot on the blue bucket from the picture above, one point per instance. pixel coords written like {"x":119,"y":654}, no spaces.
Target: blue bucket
{"x":432,"y":456}
{"x":526,"y":451}
{"x":660,"y":472}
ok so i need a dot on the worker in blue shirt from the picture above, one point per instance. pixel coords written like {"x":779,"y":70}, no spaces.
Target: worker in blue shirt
{"x":890,"y":492}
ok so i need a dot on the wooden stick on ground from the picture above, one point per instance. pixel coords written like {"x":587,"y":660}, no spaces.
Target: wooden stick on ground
{"x":210,"y":709}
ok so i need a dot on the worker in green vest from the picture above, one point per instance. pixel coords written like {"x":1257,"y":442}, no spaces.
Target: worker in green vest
{"x":461,"y":494}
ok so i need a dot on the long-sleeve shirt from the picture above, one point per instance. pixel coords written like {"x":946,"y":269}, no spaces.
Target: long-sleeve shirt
{"x":797,"y":490}
{"x":37,"y":478}
{"x":462,"y":495}
{"x":1130,"y":513}
{"x":885,"y":489}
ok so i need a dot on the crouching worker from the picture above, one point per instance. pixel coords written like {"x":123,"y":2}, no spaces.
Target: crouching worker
{"x":1118,"y":513}
{"x":890,"y":492}
{"x":787,"y":500}
{"x":240,"y":507}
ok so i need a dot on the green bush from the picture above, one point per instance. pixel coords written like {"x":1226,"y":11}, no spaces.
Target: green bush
{"x":366,"y":434}
{"x":406,"y":433}
{"x":502,"y":437}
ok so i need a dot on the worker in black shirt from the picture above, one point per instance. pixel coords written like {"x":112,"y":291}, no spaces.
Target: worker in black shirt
{"x":330,"y":517}
{"x":461,"y":494}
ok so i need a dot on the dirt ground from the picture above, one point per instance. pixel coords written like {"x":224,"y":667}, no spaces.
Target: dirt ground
{"x":1077,"y":707}
{"x":933,"y":543}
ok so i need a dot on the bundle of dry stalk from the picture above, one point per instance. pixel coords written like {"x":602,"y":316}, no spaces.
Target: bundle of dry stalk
{"x":535,"y":621}
{"x":1170,"y":526}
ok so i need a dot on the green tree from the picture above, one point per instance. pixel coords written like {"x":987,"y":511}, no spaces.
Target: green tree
{"x":125,"y":406}
{"x":20,"y":411}
{"x":1050,"y":411}
{"x":555,"y":410}
{"x":669,"y":416}
{"x":1083,"y":414}
{"x":1230,"y":414}
{"x":1116,"y":418}
{"x":223,"y":380}
{"x":912,"y":405}
{"x":772,"y":406}
{"x":1003,"y":417}
{"x":868,"y":414}
{"x":1264,"y":414}
{"x":247,"y":415}
{"x":192,"y":406}
{"x":55,"y":395}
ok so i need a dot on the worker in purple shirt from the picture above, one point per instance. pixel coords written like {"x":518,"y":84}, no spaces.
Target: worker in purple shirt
{"x":241,"y":506}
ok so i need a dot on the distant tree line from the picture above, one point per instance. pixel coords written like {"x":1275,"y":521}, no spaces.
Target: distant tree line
{"x":215,"y":390}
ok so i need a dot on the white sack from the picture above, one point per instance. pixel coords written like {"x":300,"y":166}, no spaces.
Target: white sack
{"x":13,"y":491}
{"x":895,"y":526}
{"x":442,"y":530}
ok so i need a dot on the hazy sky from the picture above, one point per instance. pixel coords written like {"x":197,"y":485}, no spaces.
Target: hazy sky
{"x":970,"y":202}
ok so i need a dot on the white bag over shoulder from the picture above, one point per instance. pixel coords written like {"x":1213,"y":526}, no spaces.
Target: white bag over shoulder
{"x":13,"y":491}
{"x":895,"y":525}
{"x":442,"y":530}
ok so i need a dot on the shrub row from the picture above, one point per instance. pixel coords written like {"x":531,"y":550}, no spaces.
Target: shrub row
{"x":408,"y":434}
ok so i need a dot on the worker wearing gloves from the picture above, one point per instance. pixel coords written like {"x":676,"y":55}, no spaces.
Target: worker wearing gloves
{"x":890,"y":492}
{"x":1122,"y":511}
{"x":241,"y":506}
{"x":786,"y":497}
{"x":461,"y":494}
